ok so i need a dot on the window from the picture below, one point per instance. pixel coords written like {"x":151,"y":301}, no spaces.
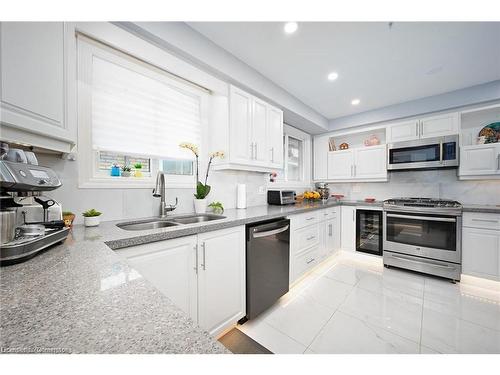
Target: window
{"x":297,"y":161}
{"x":132,"y":112}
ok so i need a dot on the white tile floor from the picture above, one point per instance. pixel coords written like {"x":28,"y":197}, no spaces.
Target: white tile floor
{"x":353,"y":305}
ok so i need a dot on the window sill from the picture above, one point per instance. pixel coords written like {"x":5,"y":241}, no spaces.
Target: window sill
{"x":131,"y":183}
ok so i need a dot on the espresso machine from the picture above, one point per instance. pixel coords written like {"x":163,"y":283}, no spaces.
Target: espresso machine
{"x":30,"y":222}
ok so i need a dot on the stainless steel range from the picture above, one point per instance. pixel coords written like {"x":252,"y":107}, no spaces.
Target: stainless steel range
{"x":424,"y":235}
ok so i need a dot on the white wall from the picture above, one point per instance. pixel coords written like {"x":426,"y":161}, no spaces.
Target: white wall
{"x":433,"y":184}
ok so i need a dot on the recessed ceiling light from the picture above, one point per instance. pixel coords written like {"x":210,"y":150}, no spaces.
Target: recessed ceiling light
{"x":355,"y":101}
{"x":333,"y":76}
{"x":291,"y":27}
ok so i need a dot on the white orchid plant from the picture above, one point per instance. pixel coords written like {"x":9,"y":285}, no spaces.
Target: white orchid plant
{"x":202,"y":189}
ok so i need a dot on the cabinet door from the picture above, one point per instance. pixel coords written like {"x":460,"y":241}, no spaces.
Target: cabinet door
{"x":259,"y":132}
{"x":240,"y":128}
{"x":348,"y":237}
{"x":403,"y":131}
{"x":171,"y":267}
{"x":480,"y":160}
{"x":341,"y":165}
{"x":370,"y":162}
{"x":337,"y":226}
{"x":275,"y":136}
{"x":32,"y":72}
{"x":321,"y":148}
{"x":221,"y":278}
{"x":436,"y":126}
{"x":323,"y":241}
{"x":330,"y":235}
{"x":481,"y":252}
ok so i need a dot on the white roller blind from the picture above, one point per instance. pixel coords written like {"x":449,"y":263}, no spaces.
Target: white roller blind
{"x":136,"y":111}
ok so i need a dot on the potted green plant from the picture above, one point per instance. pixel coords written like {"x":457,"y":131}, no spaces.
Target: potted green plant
{"x":92,"y":217}
{"x":202,"y":188}
{"x":217,"y":207}
{"x":138,"y":170}
{"x":126,"y":171}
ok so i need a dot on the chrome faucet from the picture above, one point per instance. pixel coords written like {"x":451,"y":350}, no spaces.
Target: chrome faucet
{"x":159,"y":191}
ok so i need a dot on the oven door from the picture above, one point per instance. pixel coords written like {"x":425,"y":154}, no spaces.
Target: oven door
{"x":423,"y":235}
{"x":424,"y":153}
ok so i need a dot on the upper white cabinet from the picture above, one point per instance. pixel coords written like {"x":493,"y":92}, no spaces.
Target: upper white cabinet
{"x":321,"y":157}
{"x":255,"y":130}
{"x":480,"y":160}
{"x":359,"y":164}
{"x":204,"y":275}
{"x":425,"y":127}
{"x":33,"y":65}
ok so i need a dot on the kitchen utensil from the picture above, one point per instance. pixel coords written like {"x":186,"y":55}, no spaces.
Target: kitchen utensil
{"x":31,"y":158}
{"x":32,"y":230}
{"x":7,"y":225}
{"x":16,"y":155}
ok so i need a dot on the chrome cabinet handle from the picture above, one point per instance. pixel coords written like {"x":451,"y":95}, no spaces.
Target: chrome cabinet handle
{"x":251,"y":150}
{"x":416,"y":128}
{"x":486,"y":220}
{"x":255,"y":145}
{"x":330,"y":230}
{"x":310,"y":218}
{"x":498,"y":161}
{"x":421,"y":129}
{"x":311,"y":238}
{"x":196,"y":258}
{"x":310,"y":260}
{"x":204,"y":260}
{"x":272,"y":154}
{"x":441,"y":151}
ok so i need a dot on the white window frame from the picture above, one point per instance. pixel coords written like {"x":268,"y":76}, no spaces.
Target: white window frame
{"x":89,"y":174}
{"x":305,"y":181}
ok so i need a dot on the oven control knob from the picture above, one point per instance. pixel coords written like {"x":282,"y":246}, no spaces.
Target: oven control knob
{"x":42,"y":182}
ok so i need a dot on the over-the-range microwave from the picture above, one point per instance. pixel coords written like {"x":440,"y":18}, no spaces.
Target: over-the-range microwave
{"x":430,"y":153}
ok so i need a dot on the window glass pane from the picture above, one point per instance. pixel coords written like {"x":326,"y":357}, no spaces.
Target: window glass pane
{"x":177,"y":167}
{"x":294,"y":159}
{"x":107,"y":159}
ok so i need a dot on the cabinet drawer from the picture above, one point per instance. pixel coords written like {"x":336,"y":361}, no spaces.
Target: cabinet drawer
{"x":302,"y":220}
{"x":328,"y":213}
{"x":303,"y":262}
{"x":305,"y":238}
{"x":481,"y":220}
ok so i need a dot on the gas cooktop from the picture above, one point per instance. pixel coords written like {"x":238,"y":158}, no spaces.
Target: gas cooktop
{"x":422,"y":202}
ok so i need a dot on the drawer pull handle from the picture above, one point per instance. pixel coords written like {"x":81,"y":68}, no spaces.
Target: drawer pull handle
{"x":310,"y":218}
{"x":310,"y":260}
{"x":486,"y":220}
{"x":311,"y":238}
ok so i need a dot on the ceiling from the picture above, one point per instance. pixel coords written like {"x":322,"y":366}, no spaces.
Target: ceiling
{"x":378,"y":64}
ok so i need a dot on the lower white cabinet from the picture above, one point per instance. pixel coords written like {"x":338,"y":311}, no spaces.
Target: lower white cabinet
{"x":481,"y":246}
{"x":348,"y":236}
{"x":480,"y":160}
{"x":204,"y":275}
{"x":329,"y":232}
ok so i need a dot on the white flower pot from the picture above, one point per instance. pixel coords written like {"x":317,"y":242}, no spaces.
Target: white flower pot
{"x":200,"y":206}
{"x":92,"y":221}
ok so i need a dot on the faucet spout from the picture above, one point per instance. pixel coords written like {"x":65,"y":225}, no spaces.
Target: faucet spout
{"x":159,"y":192}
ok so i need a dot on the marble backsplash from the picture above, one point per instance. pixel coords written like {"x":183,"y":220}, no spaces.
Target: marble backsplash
{"x":442,"y":183}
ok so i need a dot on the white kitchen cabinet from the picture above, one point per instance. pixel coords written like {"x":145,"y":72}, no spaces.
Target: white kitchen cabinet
{"x":275,"y":136}
{"x":348,"y":236}
{"x":370,"y":162}
{"x":341,"y":165}
{"x":221,"y":278}
{"x":480,"y":160}
{"x":425,"y":127}
{"x":33,"y":59}
{"x":403,"y":131}
{"x":321,"y":147}
{"x":255,"y":131}
{"x":204,"y":275}
{"x":481,"y":252}
{"x":329,"y":232}
{"x":358,"y":164}
{"x":171,"y":267}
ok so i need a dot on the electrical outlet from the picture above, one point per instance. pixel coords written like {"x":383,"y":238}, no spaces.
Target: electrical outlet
{"x":262,"y":190}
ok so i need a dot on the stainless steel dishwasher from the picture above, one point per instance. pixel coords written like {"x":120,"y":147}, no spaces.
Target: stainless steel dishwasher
{"x":267,"y":264}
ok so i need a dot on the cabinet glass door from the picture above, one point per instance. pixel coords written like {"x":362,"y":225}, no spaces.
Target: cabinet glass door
{"x":369,"y":231}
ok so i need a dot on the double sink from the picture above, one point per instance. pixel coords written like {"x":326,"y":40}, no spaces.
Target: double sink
{"x":157,"y":223}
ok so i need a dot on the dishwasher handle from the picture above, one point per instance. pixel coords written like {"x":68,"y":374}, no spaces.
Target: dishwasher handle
{"x":270,"y":232}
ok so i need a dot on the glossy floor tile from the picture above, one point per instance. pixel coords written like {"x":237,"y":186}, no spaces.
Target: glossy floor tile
{"x":348,"y":306}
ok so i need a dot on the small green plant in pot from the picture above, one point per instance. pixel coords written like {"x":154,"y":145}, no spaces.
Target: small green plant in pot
{"x":202,"y":189}
{"x":126,"y":171}
{"x":92,"y":217}
{"x":217,"y":207}
{"x":138,"y":170}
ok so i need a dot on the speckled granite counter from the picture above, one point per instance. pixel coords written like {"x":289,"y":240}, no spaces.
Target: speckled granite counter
{"x":494,"y":209}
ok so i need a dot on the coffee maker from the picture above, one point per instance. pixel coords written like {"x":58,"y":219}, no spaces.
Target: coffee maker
{"x":30,"y":221}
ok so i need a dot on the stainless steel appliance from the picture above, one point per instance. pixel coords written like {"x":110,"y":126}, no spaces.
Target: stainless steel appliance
{"x":369,"y":231}
{"x":21,"y":185}
{"x":430,"y":153}
{"x":267,"y":264}
{"x":323,"y":190}
{"x":281,"y":197}
{"x":424,"y":235}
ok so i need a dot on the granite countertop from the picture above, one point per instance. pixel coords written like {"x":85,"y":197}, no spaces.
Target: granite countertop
{"x":494,"y":209}
{"x":82,"y":297}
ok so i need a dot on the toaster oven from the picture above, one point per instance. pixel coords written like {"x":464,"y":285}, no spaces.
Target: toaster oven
{"x":281,"y":197}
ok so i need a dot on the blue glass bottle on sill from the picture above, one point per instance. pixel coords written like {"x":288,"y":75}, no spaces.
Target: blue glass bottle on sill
{"x":115,"y":171}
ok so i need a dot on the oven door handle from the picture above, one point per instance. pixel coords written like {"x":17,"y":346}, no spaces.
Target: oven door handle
{"x":428,"y":218}
{"x":420,"y":262}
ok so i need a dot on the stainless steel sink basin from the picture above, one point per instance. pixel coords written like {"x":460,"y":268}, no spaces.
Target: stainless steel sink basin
{"x":145,"y":225}
{"x":169,"y":221}
{"x":191,"y":219}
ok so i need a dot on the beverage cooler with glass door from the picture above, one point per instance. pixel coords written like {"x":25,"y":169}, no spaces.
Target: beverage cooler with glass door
{"x":369,"y":231}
